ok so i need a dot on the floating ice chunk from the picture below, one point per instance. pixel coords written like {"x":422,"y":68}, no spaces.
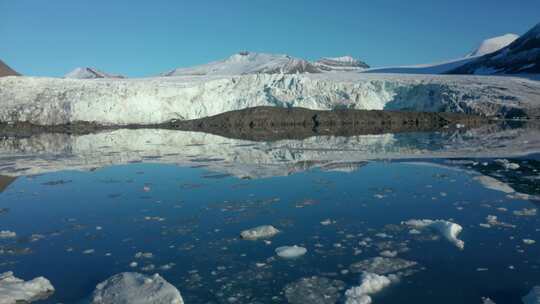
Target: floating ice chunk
{"x":381,"y":265}
{"x":525,"y":212}
{"x":6,"y":234}
{"x":533,"y":297}
{"x":14,"y":290}
{"x":136,"y":288}
{"x":145,"y":255}
{"x":507,"y":164}
{"x":314,"y":290}
{"x":528,"y":241}
{"x":487,"y":301}
{"x":371,"y":284}
{"x":290,"y":252}
{"x":447,"y":229}
{"x":494,"y":184}
{"x":260,"y":232}
{"x":388,"y":253}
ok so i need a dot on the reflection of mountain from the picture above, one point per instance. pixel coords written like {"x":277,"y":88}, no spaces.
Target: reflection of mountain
{"x":242,"y":158}
{"x":5,"y":181}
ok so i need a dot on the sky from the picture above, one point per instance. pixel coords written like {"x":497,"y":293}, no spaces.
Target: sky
{"x":143,"y":38}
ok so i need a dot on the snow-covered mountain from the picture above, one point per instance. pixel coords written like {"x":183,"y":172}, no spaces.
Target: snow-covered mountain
{"x":344,"y":63}
{"x":494,"y":44}
{"x":485,"y":47}
{"x":52,"y":101}
{"x":244,"y":63}
{"x":521,"y":56}
{"x":90,"y":73}
{"x":5,"y":70}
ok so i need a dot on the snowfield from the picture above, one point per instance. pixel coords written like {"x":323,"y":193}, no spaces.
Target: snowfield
{"x":52,"y":101}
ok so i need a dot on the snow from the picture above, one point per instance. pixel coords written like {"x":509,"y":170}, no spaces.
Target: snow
{"x":90,"y":73}
{"x":14,"y":290}
{"x":248,"y":63}
{"x":136,"y":288}
{"x":494,"y":184}
{"x":486,"y":47}
{"x":371,"y":283}
{"x":533,"y":297}
{"x":447,"y":229}
{"x":48,"y":101}
{"x":260,"y":232}
{"x":290,"y":252}
{"x":494,"y":44}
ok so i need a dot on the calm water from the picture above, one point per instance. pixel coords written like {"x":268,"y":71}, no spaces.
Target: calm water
{"x":79,"y":227}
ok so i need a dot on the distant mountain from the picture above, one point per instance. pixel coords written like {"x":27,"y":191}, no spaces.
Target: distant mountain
{"x":485,"y":47}
{"x":90,"y":73}
{"x":521,"y":56}
{"x":5,"y":70}
{"x":249,"y":63}
{"x":345,"y":63}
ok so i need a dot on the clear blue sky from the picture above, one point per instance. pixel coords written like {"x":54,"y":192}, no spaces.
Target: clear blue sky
{"x":146,"y":37}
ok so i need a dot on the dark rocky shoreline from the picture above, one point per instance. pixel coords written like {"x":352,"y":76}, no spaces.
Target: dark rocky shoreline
{"x":272,"y":123}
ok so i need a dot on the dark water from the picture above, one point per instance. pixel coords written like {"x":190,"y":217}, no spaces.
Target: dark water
{"x":77,"y":228}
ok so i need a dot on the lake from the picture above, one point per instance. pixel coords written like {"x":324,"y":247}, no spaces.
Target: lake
{"x":436,"y":217}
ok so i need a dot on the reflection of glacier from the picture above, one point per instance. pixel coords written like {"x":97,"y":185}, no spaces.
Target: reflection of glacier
{"x":53,"y":152}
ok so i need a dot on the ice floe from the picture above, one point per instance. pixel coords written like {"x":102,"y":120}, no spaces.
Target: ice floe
{"x":290,"y":252}
{"x":447,"y":229}
{"x":136,"y":288}
{"x":260,"y":232}
{"x":314,"y":290}
{"x":533,"y":297}
{"x":371,"y":283}
{"x":14,"y":290}
{"x":381,"y":265}
{"x":494,"y":184}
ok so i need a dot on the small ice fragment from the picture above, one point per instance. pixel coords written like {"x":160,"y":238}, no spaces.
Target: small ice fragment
{"x":316,"y":290}
{"x":388,"y":253}
{"x":89,"y":251}
{"x":6,"y":234}
{"x":290,"y":252}
{"x":133,"y":264}
{"x":528,"y":241}
{"x":260,"y":232}
{"x":145,"y":255}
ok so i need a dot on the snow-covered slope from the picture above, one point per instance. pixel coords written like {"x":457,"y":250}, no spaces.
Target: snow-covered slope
{"x":49,"y":101}
{"x":90,"y":73}
{"x":487,"y":46}
{"x":249,"y":63}
{"x":5,"y":70}
{"x":344,"y":63}
{"x":521,"y":56}
{"x":494,"y":44}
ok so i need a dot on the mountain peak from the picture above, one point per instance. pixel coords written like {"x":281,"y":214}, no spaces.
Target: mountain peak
{"x":89,"y":73}
{"x":343,"y":63}
{"x":494,"y":44}
{"x":5,"y":70}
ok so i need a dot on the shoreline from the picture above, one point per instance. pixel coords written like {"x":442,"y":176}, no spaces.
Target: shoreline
{"x":260,"y":123}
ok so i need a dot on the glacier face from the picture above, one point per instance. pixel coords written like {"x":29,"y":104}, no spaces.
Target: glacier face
{"x":50,"y":101}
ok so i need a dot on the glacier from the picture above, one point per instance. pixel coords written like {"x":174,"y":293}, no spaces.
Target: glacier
{"x":53,"y":101}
